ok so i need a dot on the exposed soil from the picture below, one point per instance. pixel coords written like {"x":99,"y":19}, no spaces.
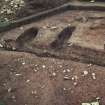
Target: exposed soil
{"x":30,"y":80}
{"x":92,"y":34}
{"x":26,"y":79}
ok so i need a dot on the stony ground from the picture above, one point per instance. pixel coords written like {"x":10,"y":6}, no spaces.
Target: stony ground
{"x":29,"y":80}
{"x":8,"y":8}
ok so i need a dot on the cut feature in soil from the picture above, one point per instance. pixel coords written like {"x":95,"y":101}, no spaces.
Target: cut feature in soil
{"x":63,"y":36}
{"x":27,"y":36}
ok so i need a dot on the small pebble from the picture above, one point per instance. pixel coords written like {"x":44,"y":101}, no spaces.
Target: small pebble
{"x":1,"y":45}
{"x":75,"y":83}
{"x":21,"y":28}
{"x":35,"y":70}
{"x":54,"y":74}
{"x":27,"y":81}
{"x":43,"y":66}
{"x":85,"y":73}
{"x":98,"y":98}
{"x":92,"y":1}
{"x":9,"y":90}
{"x":89,"y":65}
{"x":18,"y":74}
{"x":93,"y":75}
{"x":60,"y":66}
{"x":66,"y":77}
{"x":13,"y":97}
{"x":68,"y":70}
{"x":64,"y":89}
{"x":64,"y":71}
{"x":70,"y":44}
{"x":34,"y":92}
{"x":23,"y":63}
{"x":13,"y":48}
{"x":53,"y":28}
{"x":73,"y":78}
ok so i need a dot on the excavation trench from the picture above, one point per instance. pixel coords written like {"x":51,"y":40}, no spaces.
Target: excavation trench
{"x":61,"y":42}
{"x":61,"y":29}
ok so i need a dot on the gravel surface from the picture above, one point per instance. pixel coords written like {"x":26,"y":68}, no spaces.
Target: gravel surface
{"x":8,"y":9}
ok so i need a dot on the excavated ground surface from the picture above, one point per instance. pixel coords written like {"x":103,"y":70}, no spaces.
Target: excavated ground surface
{"x":89,"y":30}
{"x":30,"y":80}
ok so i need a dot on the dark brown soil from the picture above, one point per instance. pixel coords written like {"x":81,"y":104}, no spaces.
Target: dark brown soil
{"x":35,"y":6}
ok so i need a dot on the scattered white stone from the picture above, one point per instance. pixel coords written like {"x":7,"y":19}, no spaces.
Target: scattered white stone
{"x":93,"y":75}
{"x":54,"y":74}
{"x":6,"y":19}
{"x":85,"y":73}
{"x":6,"y":0}
{"x":4,"y":84}
{"x":43,"y":86}
{"x":13,"y":97}
{"x":76,"y":77}
{"x":92,"y":1}
{"x":68,"y":70}
{"x":1,"y":45}
{"x":35,"y":70}
{"x":34,"y":92}
{"x":66,"y":77}
{"x":64,"y":71}
{"x":75,"y":83}
{"x":60,"y":66}
{"x":91,"y":103}
{"x":89,"y":65}
{"x":9,"y":90}
{"x":23,"y":63}
{"x":18,"y":74}
{"x":44,"y":27}
{"x":27,"y":81}
{"x":36,"y":65}
{"x":70,"y":44}
{"x":64,"y":89}
{"x":53,"y":28}
{"x":98,"y":98}
{"x":69,"y":24}
{"x":13,"y":48}
{"x":73,"y":78}
{"x":9,"y":11}
{"x":21,"y":28}
{"x":10,"y":7}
